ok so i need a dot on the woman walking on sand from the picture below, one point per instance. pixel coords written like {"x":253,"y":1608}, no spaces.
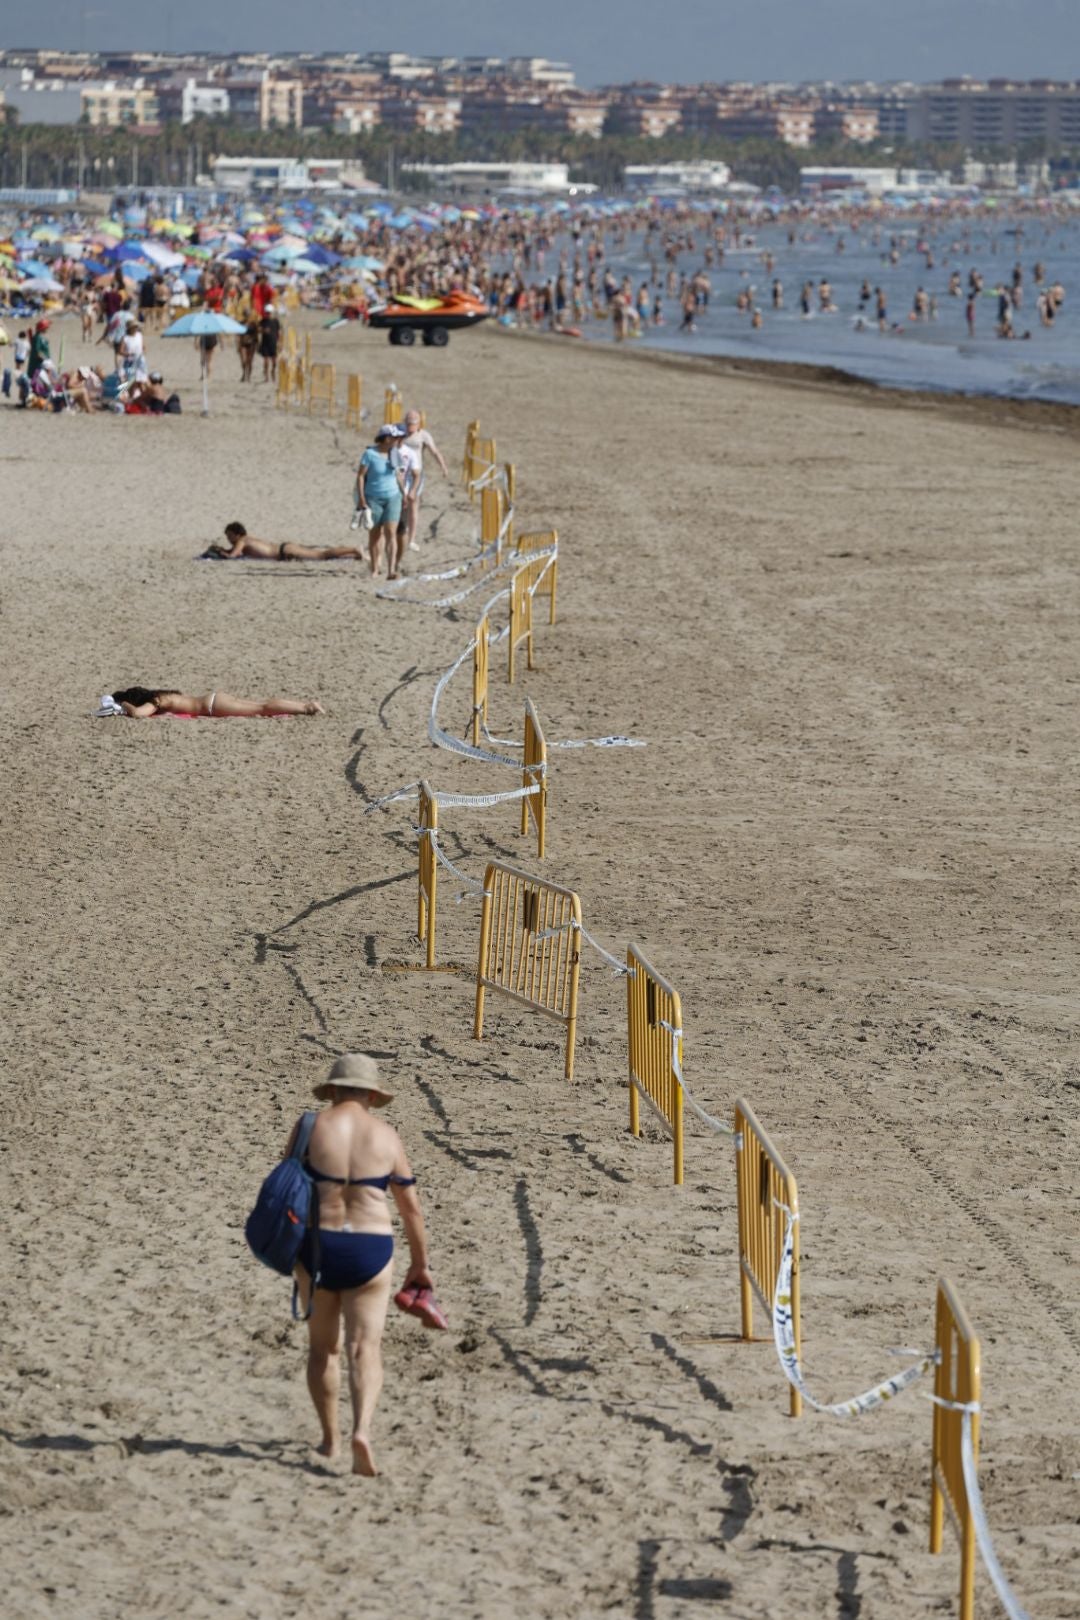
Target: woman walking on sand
{"x":354,"y":1160}
{"x":380,"y":490}
{"x":144,"y":702}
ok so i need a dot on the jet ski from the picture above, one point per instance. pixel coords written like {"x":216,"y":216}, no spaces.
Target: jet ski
{"x":433,"y":318}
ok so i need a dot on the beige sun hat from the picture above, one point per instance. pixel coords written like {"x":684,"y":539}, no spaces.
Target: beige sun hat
{"x":359,"y":1071}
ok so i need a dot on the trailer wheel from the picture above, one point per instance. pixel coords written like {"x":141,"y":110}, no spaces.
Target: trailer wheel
{"x":394,"y":335}
{"x":439,"y":337}
{"x":406,"y":337}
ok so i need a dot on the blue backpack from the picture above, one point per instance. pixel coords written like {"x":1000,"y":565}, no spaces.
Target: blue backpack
{"x":287,"y":1205}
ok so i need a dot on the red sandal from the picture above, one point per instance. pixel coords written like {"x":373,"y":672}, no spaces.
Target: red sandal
{"x":421,"y":1302}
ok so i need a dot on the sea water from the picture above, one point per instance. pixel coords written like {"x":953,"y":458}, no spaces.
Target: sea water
{"x":937,"y":355}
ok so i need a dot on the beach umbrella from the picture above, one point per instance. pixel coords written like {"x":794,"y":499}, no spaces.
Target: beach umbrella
{"x":34,"y":267}
{"x":109,"y":227}
{"x":203,"y":323}
{"x":165,"y":258}
{"x":9,"y":284}
{"x":42,"y":284}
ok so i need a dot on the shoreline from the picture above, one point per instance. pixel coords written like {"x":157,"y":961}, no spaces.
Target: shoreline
{"x":988,"y":409}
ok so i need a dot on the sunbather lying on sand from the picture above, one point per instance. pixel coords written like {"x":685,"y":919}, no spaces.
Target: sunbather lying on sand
{"x":242,"y":544}
{"x":142,"y":702}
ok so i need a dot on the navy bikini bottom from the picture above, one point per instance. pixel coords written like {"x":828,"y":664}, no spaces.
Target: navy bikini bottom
{"x":346,"y":1259}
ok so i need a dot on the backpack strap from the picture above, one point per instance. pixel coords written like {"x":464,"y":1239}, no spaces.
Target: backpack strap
{"x":303,"y":1135}
{"x":300,"y":1147}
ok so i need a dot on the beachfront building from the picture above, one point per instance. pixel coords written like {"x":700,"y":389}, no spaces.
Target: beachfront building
{"x":185,"y":99}
{"x":660,"y":178}
{"x":265,"y":100}
{"x":112,"y":105}
{"x":489,"y":177}
{"x":245,"y":174}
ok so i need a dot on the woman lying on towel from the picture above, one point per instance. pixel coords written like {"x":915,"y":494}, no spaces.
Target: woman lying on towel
{"x":242,"y":544}
{"x":142,"y":703}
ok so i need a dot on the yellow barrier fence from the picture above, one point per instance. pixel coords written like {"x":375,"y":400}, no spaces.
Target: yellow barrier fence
{"x":322,"y":388}
{"x":480,"y":680}
{"x":354,"y":400}
{"x":957,"y":1378}
{"x":307,"y":349}
{"x":481,"y":461}
{"x":428,"y":872}
{"x":764,"y":1184}
{"x":471,"y":432}
{"x":291,"y":298}
{"x":654,"y":1043}
{"x":285,"y":385}
{"x":393,"y":406}
{"x":529,"y":949}
{"x":299,"y":376}
{"x":534,"y":772}
{"x":292,"y":347}
{"x":491,"y":519}
{"x":538,"y":540}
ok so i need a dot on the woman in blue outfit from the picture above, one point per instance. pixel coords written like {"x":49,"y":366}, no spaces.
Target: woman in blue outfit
{"x":380,"y":489}
{"x":354,"y":1160}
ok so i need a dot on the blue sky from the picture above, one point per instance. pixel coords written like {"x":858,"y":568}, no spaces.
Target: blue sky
{"x":606,"y":40}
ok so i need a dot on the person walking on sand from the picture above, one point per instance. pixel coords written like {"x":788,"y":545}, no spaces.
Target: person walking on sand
{"x":380,"y":490}
{"x":419,"y":440}
{"x":354,"y":1160}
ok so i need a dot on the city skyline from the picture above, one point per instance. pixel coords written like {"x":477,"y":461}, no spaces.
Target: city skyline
{"x":711,"y":40}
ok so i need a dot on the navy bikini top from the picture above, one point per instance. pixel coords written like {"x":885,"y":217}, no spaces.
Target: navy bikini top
{"x":382,"y":1182}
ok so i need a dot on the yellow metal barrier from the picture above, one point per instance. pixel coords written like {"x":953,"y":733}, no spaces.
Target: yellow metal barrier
{"x":471,"y":432}
{"x":285,"y":385}
{"x":354,"y":400}
{"x":393,"y":406}
{"x":539,"y":540}
{"x":534,"y":772}
{"x":292,"y":347}
{"x":307,"y":349}
{"x":491,"y":519}
{"x":291,"y":298}
{"x":428,"y":873}
{"x":480,"y":680}
{"x":654,"y":1042}
{"x":299,"y":380}
{"x":322,"y":387}
{"x":957,"y":1378}
{"x":529,"y":948}
{"x":481,"y":461}
{"x":763,"y":1182}
{"x":523,"y":583}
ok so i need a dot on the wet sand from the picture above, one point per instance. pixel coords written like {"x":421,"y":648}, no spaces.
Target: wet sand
{"x":845,"y":621}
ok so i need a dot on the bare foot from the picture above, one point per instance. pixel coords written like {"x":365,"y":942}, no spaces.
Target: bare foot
{"x":330,"y":1449}
{"x":363,"y":1458}
{"x":314,"y":708}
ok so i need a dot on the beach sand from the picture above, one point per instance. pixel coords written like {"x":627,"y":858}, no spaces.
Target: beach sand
{"x":846,"y":624}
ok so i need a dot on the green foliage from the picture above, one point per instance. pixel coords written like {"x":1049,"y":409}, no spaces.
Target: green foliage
{"x":114,"y":158}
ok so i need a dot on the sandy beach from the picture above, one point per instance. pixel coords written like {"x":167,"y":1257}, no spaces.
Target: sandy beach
{"x":846,"y":624}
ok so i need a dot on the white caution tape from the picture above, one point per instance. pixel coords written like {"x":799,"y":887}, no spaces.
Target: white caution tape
{"x":613,"y":961}
{"x":492,"y":474}
{"x":409,"y":792}
{"x":472,"y":887}
{"x":444,"y":739}
{"x":1009,"y":1601}
{"x":482,"y":801}
{"x":570,"y":742}
{"x":719,"y":1127}
{"x":393,"y":588}
{"x":786,"y":1349}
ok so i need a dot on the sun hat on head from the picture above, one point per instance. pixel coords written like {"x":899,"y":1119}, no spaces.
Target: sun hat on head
{"x":390,"y":430}
{"x":361,"y":1073}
